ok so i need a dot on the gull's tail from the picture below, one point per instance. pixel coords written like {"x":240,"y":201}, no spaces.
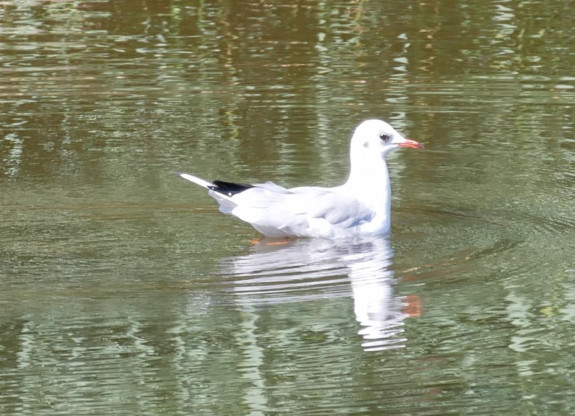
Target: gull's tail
{"x":224,"y":199}
{"x":195,"y":179}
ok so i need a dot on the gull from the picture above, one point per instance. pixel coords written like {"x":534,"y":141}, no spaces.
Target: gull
{"x":359,"y":207}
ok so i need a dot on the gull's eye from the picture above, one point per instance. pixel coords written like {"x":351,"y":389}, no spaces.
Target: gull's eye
{"x":384,"y":136}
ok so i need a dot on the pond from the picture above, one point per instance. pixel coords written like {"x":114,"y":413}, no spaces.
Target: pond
{"x":124,"y":290}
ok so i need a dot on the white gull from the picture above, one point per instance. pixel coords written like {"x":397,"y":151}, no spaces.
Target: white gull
{"x":361,"y":206}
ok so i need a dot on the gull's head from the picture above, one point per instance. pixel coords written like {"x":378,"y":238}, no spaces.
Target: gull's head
{"x":378,"y":137}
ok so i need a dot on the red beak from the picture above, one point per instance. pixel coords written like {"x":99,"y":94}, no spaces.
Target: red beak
{"x":411,"y":144}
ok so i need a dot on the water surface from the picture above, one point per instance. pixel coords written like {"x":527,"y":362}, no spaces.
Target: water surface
{"x":124,"y":290}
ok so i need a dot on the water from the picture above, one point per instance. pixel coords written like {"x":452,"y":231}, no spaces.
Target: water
{"x":124,"y":290}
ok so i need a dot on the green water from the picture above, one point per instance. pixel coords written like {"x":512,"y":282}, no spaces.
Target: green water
{"x":124,"y":291}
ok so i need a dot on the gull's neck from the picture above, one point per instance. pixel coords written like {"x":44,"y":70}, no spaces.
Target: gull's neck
{"x":369,"y":181}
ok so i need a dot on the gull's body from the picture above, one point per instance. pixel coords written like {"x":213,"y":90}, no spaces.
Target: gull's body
{"x":361,"y":206}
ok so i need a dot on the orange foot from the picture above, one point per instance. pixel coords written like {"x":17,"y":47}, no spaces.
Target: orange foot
{"x":412,"y":306}
{"x":274,"y":242}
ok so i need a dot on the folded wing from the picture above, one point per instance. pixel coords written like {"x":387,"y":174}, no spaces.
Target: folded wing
{"x":276,"y":211}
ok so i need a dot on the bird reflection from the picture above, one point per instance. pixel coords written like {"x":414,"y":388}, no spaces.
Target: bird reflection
{"x":303,"y":270}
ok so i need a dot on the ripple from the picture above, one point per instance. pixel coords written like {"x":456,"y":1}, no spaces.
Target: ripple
{"x":452,"y":244}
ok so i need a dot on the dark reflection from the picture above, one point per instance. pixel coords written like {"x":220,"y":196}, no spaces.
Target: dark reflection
{"x":305,"y":270}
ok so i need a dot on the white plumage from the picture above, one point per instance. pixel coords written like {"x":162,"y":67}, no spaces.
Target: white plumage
{"x":361,"y":206}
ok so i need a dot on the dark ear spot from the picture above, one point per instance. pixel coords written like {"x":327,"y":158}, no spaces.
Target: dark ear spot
{"x":366,"y":144}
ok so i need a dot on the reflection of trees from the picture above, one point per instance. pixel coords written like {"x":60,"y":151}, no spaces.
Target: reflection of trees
{"x":244,"y":77}
{"x":109,"y":77}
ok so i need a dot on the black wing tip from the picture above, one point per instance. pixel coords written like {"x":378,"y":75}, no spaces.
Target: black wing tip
{"x":229,"y":188}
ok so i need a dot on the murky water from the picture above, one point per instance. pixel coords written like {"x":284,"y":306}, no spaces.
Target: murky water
{"x":123,"y":289}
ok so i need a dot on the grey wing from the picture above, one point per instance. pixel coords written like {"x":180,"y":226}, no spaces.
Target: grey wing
{"x":269,"y":207}
{"x":309,"y":205}
{"x":258,"y":196}
{"x":340,"y":210}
